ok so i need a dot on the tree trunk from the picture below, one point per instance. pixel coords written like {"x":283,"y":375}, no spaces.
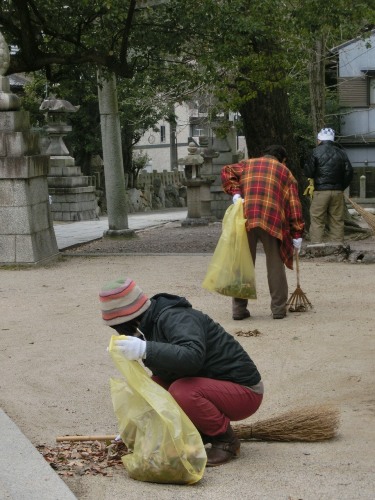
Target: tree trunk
{"x":317,"y":85}
{"x":127,"y":153}
{"x":267,"y":120}
{"x":112,"y":154}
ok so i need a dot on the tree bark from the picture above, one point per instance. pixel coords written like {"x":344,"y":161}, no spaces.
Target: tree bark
{"x":267,"y":120}
{"x":317,"y":85}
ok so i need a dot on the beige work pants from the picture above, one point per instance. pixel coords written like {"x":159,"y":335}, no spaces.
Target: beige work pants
{"x":327,"y":212}
{"x":276,"y":275}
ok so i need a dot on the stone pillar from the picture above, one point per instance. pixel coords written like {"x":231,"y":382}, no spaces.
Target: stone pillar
{"x":116,"y":195}
{"x":26,"y":229}
{"x":73,"y":195}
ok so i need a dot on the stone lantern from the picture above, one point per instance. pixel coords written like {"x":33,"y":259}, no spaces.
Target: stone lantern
{"x":73,"y":194}
{"x":198,"y":195}
{"x":57,"y":126}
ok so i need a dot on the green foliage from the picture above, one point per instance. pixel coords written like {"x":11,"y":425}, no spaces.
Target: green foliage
{"x":235,"y":50}
{"x":140,"y":160}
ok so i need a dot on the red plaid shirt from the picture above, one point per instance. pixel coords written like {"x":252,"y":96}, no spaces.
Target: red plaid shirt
{"x":271,"y":199}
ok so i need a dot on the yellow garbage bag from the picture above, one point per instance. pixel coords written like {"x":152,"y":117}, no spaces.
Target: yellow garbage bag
{"x":165,"y":446}
{"x":231,"y":269}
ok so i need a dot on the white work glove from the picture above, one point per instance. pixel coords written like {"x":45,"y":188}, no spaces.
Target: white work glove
{"x":297,"y":243}
{"x":237,"y":197}
{"x":132,"y":348}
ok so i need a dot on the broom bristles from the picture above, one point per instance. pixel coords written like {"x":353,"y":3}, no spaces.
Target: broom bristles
{"x":369,"y":218}
{"x":311,"y":423}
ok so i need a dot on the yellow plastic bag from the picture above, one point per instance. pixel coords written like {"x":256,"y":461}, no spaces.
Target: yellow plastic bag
{"x":165,"y":445}
{"x":231,"y":269}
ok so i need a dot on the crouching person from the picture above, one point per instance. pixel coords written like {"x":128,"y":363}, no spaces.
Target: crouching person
{"x":203,"y":367}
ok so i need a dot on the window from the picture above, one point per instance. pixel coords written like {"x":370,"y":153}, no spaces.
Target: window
{"x":162,"y":133}
{"x":198,"y":129}
{"x":353,"y":92}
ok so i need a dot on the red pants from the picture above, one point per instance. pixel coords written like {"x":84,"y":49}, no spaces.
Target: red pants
{"x":212,"y":404}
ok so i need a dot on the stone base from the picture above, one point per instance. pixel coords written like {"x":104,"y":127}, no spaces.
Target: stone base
{"x":27,"y":249}
{"x":120,"y":233}
{"x":190,"y":221}
{"x":74,"y":204}
{"x":73,"y":195}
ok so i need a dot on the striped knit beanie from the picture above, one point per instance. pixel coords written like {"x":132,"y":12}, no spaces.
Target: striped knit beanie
{"x":122,"y":300}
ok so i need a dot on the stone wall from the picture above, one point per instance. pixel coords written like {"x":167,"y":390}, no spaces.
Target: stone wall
{"x":155,"y":191}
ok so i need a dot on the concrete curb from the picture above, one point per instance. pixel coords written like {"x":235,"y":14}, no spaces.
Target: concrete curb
{"x":24,"y":474}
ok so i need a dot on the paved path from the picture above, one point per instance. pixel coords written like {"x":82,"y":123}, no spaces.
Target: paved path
{"x":24,"y":474}
{"x":74,"y":233}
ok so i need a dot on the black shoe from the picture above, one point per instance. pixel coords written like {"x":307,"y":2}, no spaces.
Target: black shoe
{"x":279,"y":316}
{"x":244,"y":315}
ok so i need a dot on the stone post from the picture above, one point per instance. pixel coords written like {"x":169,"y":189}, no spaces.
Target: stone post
{"x":362,"y":186}
{"x":26,"y":228}
{"x":112,"y":155}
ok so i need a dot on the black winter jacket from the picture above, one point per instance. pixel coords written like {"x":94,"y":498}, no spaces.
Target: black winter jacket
{"x":184,"y":342}
{"x":329,"y":166}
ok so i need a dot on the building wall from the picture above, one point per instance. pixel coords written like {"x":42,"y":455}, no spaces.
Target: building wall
{"x":159,"y":150}
{"x":356,"y":80}
{"x":356,"y":56}
{"x":158,"y":147}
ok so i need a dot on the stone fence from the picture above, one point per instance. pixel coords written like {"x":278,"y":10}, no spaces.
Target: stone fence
{"x":154,"y":191}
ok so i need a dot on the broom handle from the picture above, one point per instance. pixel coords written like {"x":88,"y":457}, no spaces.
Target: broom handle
{"x":297,"y":266}
{"x":61,"y":439}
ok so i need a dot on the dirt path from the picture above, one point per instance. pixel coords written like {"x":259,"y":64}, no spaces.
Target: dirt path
{"x":55,"y":371}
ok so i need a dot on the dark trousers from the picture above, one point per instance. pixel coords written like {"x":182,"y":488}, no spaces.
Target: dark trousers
{"x":276,"y":275}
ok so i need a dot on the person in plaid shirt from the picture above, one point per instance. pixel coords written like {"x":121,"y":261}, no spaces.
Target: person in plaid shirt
{"x":274,"y":216}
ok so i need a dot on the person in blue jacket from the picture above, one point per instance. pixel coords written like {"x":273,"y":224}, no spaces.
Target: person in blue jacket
{"x":204,"y":368}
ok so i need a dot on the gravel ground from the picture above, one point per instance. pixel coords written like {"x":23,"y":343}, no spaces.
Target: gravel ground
{"x":166,"y":239}
{"x":173,"y":238}
{"x":55,"y":370}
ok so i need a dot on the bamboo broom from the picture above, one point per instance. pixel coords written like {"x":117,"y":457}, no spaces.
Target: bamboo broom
{"x":369,"y":218}
{"x":310,"y":423}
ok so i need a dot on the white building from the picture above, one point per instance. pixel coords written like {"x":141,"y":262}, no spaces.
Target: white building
{"x":356,"y":80}
{"x":170,"y":143}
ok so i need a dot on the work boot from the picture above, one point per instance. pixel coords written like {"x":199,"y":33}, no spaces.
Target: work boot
{"x":206,"y":439}
{"x":243,"y":315}
{"x":224,"y":447}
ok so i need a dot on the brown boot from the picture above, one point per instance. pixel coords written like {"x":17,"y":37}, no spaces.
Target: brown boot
{"x":224,"y":447}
